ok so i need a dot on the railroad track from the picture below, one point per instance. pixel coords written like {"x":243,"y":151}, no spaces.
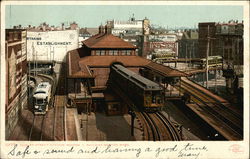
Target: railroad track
{"x":175,"y":134}
{"x":152,"y":129}
{"x":215,"y":108}
{"x":59,"y":128}
{"x":221,"y":103}
{"x":158,"y":127}
{"x":36,"y":131}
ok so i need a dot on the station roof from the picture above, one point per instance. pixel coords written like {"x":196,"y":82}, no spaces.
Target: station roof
{"x":104,"y":40}
{"x":80,"y":67}
{"x":165,"y":70}
{"x":74,"y":69}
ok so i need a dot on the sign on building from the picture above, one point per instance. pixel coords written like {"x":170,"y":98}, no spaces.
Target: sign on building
{"x":50,"y":46}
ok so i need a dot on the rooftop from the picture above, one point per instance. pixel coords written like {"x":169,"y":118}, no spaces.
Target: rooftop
{"x":104,"y":40}
{"x":165,"y":70}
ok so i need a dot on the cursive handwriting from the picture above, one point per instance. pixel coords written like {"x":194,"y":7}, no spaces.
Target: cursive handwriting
{"x":162,"y":150}
{"x":189,"y":150}
{"x":181,"y":151}
{"x":22,"y":153}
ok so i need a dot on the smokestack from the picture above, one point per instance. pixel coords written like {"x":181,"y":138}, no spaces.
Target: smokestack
{"x":63,"y":28}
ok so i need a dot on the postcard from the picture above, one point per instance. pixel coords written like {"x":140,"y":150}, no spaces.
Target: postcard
{"x":124,"y":79}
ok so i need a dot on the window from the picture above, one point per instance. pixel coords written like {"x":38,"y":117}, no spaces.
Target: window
{"x":98,"y":52}
{"x":128,"y":52}
{"x":113,"y":107}
{"x":115,"y":52}
{"x":102,"y":52}
{"x":124,"y":52}
{"x":15,"y":35}
{"x":111,"y":52}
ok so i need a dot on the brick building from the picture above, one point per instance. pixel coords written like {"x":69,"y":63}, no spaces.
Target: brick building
{"x":188,"y":44}
{"x":89,"y":67}
{"x":226,"y":40}
{"x":16,"y":76}
{"x":207,"y":30}
{"x":88,"y":71}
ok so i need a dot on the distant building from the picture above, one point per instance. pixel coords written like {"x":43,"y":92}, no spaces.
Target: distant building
{"x":73,"y":26}
{"x":226,"y":39}
{"x":85,"y":33}
{"x":130,"y":27}
{"x":207,"y":30}
{"x":161,"y":43}
{"x":133,"y":31}
{"x":188,"y":44}
{"x":229,"y":38}
{"x":16,"y":76}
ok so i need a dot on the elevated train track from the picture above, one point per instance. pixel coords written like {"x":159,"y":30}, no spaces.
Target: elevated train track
{"x":213,"y":109}
{"x":158,"y":128}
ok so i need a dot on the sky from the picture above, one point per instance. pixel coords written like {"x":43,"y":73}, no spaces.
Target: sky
{"x":168,"y":16}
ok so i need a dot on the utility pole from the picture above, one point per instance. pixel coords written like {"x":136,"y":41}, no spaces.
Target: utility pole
{"x":216,"y":60}
{"x":208,"y":45}
{"x":186,"y":57}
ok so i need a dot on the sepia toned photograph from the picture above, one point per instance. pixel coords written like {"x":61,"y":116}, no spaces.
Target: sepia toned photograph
{"x":123,"y":72}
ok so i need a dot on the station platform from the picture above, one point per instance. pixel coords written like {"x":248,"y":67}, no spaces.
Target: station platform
{"x":99,"y":127}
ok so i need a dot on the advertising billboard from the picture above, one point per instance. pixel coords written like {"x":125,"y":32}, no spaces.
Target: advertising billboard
{"x":51,"y":45}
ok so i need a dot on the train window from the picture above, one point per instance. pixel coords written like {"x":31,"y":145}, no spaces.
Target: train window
{"x":113,"y":107}
{"x":39,"y":101}
{"x":39,"y":92}
{"x":153,"y":99}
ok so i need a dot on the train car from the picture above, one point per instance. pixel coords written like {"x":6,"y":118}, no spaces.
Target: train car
{"x":213,"y":61}
{"x":145,"y":94}
{"x":41,"y":98}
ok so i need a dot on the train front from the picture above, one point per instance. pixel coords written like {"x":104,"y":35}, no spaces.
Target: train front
{"x":40,"y":102}
{"x":154,"y":99}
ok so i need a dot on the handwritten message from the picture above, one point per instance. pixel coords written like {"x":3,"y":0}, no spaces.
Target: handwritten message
{"x":188,"y":150}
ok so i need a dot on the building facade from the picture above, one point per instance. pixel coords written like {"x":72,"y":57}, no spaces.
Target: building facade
{"x":207,"y":31}
{"x":133,"y":31}
{"x":161,"y":44}
{"x":226,"y":40}
{"x":188,"y":44}
{"x":16,"y":76}
{"x":50,"y":45}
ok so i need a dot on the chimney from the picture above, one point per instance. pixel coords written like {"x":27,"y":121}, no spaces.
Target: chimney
{"x":63,"y":28}
{"x":107,"y":29}
{"x":101,"y":29}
